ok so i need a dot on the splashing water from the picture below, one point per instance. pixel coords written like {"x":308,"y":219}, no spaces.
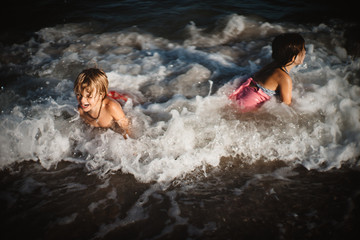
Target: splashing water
{"x":180,"y":127}
{"x":196,"y":168}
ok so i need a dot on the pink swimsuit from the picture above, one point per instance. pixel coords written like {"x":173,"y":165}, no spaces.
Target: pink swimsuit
{"x":249,"y":98}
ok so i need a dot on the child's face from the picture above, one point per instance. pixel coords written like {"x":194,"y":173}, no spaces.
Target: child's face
{"x":88,"y":99}
{"x":300,"y":57}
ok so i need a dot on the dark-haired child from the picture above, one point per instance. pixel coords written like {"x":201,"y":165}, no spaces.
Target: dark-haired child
{"x":288,"y":50}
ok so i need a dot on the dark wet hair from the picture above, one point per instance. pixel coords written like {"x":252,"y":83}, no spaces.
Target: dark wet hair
{"x":287,"y":46}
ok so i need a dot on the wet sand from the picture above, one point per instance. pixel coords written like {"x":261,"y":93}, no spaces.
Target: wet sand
{"x":233,"y":201}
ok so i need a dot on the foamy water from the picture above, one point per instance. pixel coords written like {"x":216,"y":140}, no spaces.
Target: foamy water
{"x":196,"y":168}
{"x":185,"y":121}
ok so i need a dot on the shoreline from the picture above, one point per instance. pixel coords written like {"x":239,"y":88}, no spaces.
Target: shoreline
{"x":303,"y":205}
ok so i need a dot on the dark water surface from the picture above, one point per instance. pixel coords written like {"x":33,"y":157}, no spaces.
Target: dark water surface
{"x":304,"y":205}
{"x":22,"y":18}
{"x":196,"y":168}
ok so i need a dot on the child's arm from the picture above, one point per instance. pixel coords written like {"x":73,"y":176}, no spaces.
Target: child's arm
{"x":119,"y":117}
{"x":285,"y":85}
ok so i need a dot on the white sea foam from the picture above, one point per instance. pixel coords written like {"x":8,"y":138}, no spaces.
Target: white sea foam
{"x":179,"y":127}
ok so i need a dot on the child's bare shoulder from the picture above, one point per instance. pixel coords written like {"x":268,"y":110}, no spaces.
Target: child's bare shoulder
{"x":111,"y":105}
{"x":280,"y":76}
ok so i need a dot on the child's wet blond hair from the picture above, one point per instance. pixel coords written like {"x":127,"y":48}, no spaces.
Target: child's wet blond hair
{"x":90,"y":79}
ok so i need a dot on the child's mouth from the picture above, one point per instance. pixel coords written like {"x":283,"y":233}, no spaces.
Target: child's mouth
{"x":85,"y":105}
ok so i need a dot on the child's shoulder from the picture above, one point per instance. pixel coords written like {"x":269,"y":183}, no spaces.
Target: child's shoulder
{"x":280,"y":76}
{"x":113,"y":108}
{"x":111,"y":104}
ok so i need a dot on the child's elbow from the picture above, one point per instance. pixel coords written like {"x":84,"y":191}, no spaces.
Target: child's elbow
{"x":287,"y":102}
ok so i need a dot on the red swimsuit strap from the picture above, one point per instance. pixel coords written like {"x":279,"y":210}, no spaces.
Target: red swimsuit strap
{"x":118,"y":96}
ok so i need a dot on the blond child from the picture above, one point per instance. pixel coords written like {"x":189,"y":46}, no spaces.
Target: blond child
{"x":95,"y":106}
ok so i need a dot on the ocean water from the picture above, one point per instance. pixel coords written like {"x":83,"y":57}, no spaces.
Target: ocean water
{"x":196,"y":168}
